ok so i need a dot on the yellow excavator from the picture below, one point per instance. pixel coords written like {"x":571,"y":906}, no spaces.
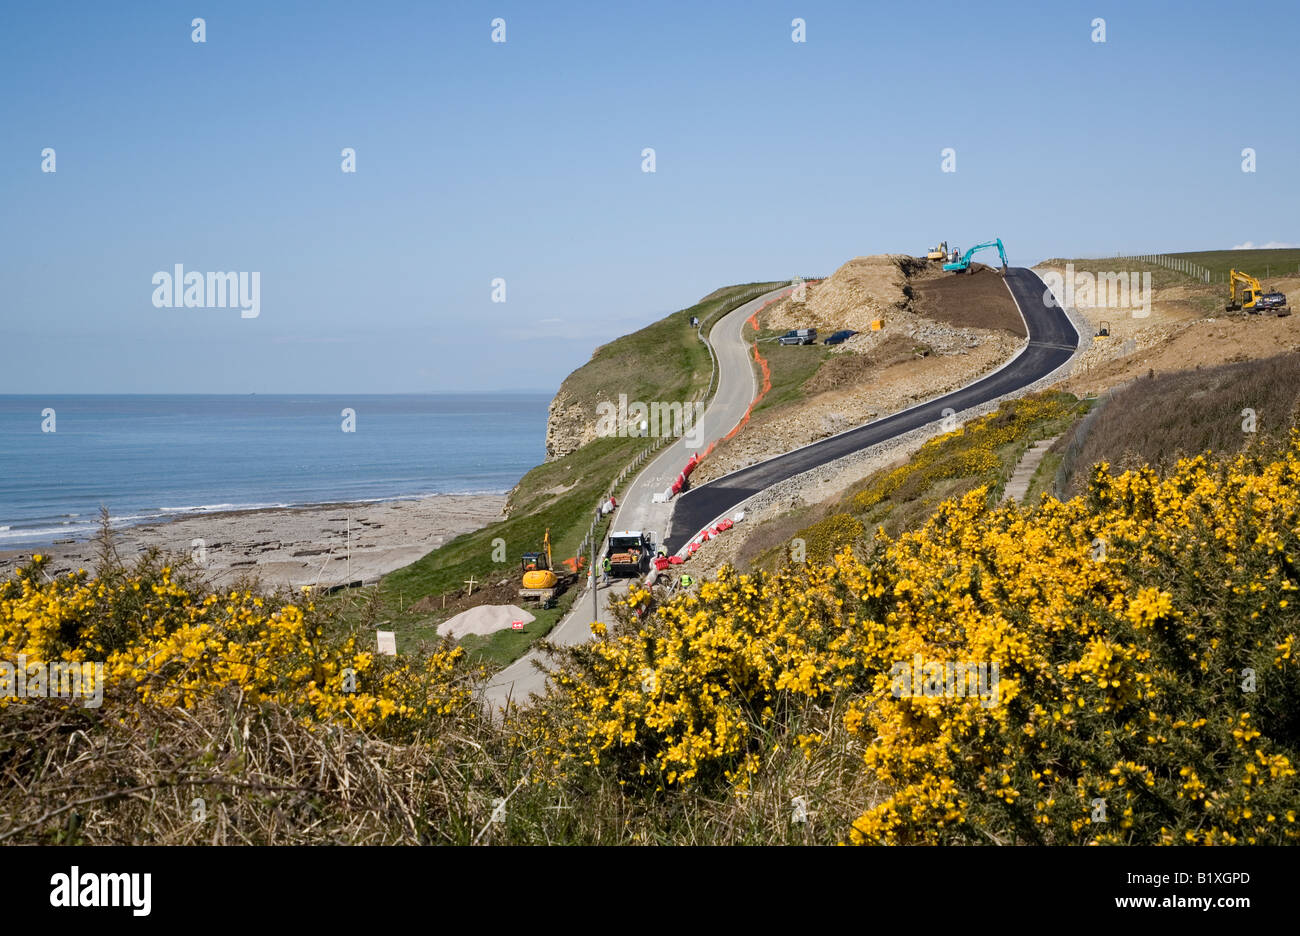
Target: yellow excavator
{"x":1245,"y":292}
{"x":938,"y":253}
{"x":539,"y":579}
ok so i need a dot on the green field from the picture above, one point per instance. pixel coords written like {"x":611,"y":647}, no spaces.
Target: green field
{"x":790,"y":367}
{"x":1263,"y":264}
{"x":1260,"y":263}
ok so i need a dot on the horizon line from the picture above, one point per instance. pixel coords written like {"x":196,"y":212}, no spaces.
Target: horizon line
{"x":511,"y":392}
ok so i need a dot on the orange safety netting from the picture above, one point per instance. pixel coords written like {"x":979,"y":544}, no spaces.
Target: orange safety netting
{"x":767,"y":385}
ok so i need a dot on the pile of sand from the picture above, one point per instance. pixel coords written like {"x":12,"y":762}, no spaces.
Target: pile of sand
{"x":863,"y":289}
{"x":485,"y":619}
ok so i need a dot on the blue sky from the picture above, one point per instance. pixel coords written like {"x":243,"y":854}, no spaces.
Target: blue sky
{"x":522,"y":160}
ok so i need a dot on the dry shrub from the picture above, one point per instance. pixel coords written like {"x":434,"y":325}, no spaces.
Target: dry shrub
{"x":1158,"y":419}
{"x":78,"y":775}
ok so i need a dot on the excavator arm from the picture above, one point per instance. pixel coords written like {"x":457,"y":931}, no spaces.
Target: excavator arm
{"x":1242,"y":290}
{"x":964,"y":263}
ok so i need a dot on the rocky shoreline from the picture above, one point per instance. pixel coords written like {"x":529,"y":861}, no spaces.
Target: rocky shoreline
{"x":323,"y":545}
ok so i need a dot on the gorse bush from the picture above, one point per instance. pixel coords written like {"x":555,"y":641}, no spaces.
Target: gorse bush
{"x":969,"y":451}
{"x":829,"y":535}
{"x":169,"y":639}
{"x":1147,"y":689}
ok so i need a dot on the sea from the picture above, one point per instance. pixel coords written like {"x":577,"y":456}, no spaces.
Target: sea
{"x":148,"y":457}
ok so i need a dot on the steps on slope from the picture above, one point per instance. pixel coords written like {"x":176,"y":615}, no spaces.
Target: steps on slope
{"x":1018,"y":486}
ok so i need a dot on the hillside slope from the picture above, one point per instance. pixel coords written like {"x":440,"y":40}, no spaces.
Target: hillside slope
{"x":1186,"y":324}
{"x":664,"y":361}
{"x":940,"y":331}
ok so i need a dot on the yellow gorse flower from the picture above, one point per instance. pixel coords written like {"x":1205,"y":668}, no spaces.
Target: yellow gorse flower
{"x":1100,"y":658}
{"x":172,"y":642}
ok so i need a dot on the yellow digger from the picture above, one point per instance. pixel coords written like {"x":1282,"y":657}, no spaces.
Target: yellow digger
{"x":1245,"y":292}
{"x":938,"y":253}
{"x":540,"y":582}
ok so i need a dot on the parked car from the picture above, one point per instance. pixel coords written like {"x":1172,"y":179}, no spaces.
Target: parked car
{"x":840,"y":337}
{"x":799,"y":336}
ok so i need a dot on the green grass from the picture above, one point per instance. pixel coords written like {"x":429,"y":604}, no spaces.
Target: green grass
{"x":1044,"y":479}
{"x":790,"y":367}
{"x":664,"y":361}
{"x":1161,"y":276}
{"x":1263,"y":264}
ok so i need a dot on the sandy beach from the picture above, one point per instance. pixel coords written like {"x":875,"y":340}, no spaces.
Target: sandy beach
{"x":293,"y":546}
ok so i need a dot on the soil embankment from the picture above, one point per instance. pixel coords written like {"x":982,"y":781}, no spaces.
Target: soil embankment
{"x":940,"y":331}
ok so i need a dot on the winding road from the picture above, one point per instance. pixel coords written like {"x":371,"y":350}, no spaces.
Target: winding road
{"x":1052,"y":342}
{"x":737,"y":387}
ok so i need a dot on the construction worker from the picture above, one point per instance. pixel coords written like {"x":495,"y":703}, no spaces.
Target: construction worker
{"x":605,"y":567}
{"x":686,"y":581}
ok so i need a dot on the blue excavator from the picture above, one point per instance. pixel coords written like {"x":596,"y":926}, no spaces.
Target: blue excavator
{"x":962,"y":264}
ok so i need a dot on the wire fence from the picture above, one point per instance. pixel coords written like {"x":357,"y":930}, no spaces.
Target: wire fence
{"x":1177,"y":264}
{"x":1191,"y":268}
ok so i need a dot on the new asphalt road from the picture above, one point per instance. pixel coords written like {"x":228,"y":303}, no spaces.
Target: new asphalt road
{"x":1052,"y":341}
{"x":737,"y":388}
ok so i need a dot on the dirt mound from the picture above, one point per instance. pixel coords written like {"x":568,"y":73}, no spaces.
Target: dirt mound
{"x":1173,"y":347}
{"x":895,"y":288}
{"x":969,"y":300}
{"x":1185,"y":328}
{"x":863,"y":289}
